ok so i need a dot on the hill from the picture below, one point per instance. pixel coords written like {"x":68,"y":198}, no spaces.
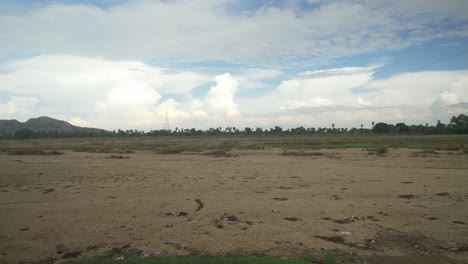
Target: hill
{"x":43,"y":123}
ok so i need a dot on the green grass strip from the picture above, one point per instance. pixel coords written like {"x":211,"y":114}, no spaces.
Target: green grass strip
{"x":193,"y":260}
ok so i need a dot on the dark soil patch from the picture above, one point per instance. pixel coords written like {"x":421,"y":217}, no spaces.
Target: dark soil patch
{"x":406,"y":196}
{"x":280,"y":199}
{"x":463,"y":248}
{"x":301,"y":153}
{"x":343,"y":221}
{"x":333,"y":239}
{"x":73,"y":254}
{"x":33,"y":152}
{"x":336,"y":197}
{"x":232,"y":218}
{"x":118,"y":157}
{"x":217,"y":153}
{"x":48,"y":190}
{"x":200,"y":204}
{"x":170,"y":151}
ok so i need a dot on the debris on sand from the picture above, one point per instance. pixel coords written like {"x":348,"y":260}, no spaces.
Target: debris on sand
{"x":463,"y":248}
{"x":368,"y":245}
{"x":231,"y":220}
{"x":351,"y":219}
{"x":175,"y":214}
{"x":442,"y":194}
{"x":127,"y":252}
{"x":62,"y":249}
{"x":200,"y":204}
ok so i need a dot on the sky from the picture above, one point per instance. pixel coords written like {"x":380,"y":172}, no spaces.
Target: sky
{"x":124,"y":64}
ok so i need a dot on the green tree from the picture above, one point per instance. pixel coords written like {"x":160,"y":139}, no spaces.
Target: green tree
{"x":277,"y":130}
{"x":459,"y":124}
{"x":381,"y":128}
{"x":402,"y":128}
{"x":441,"y":128}
{"x":23,"y":133}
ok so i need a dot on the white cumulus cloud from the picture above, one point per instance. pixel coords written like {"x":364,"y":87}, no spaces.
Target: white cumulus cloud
{"x":323,"y":87}
{"x":184,"y":30}
{"x":95,"y":90}
{"x":17,"y":106}
{"x":220,"y":99}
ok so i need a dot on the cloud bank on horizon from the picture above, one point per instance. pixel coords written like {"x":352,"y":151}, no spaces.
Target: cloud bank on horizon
{"x":209,"y":63}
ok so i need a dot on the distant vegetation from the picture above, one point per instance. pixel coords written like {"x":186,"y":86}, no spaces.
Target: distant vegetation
{"x":457,"y":125}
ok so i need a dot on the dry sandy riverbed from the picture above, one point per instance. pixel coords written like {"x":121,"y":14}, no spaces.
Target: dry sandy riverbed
{"x":405,"y":203}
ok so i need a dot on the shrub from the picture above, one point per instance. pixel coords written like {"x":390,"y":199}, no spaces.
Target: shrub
{"x":33,"y":152}
{"x":378,"y":151}
{"x":171,"y":150}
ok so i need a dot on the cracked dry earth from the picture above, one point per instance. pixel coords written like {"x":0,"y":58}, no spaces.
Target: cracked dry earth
{"x":365,"y":208}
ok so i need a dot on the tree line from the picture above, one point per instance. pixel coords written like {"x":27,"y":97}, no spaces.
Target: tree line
{"x":457,"y":125}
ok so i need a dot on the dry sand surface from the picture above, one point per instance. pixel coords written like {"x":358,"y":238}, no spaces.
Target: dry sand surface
{"x":403,"y":203}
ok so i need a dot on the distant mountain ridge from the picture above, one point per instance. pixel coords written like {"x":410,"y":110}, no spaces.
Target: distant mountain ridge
{"x":43,"y":123}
